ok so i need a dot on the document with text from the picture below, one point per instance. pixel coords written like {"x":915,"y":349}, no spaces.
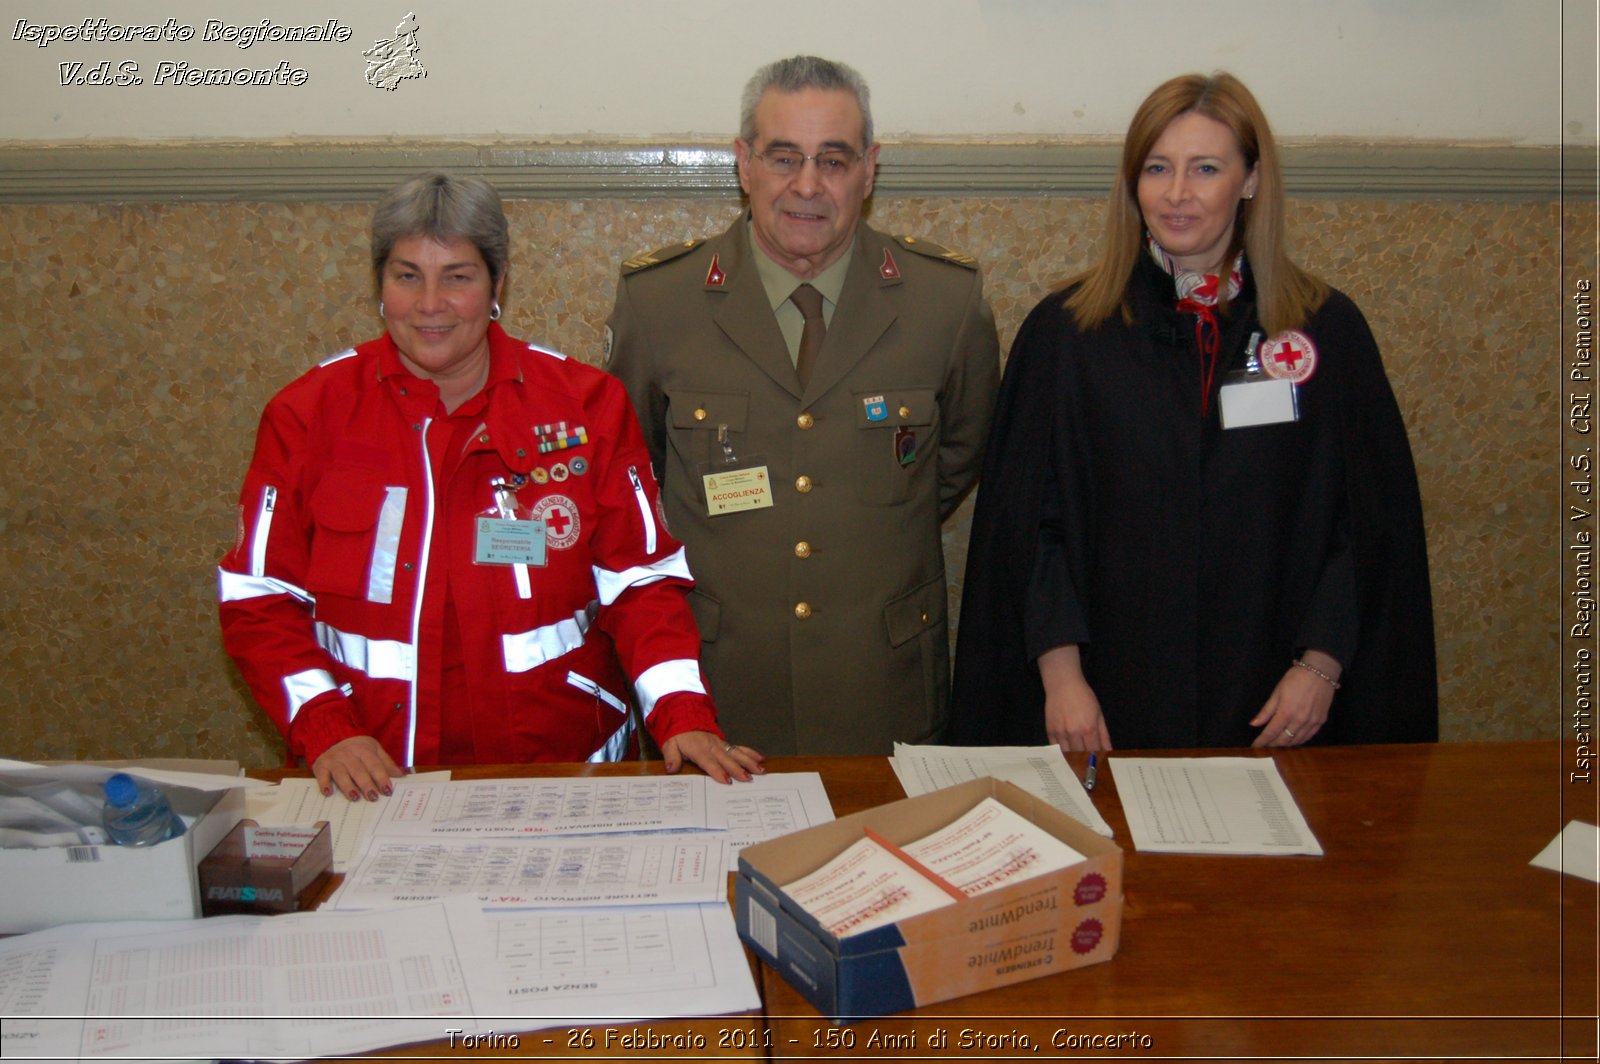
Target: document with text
{"x":872,"y":882}
{"x":623,"y":963}
{"x":1236,"y":805}
{"x":406,"y":860}
{"x":991,"y":846}
{"x":297,"y":800}
{"x":298,"y":985}
{"x":1042,"y":771}
{"x":571,"y":870}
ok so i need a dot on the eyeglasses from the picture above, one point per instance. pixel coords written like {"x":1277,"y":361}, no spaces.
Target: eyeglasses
{"x":787,"y":162}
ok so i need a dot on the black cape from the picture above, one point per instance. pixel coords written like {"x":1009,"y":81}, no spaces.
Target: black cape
{"x":1192,"y":563}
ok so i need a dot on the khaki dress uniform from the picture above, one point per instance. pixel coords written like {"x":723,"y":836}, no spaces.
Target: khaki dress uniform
{"x":822,"y":617}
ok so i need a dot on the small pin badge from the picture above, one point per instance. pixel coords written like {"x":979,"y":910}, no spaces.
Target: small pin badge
{"x":887,"y":269}
{"x":1289,"y":356}
{"x":877,"y":409}
{"x":905,"y":446}
{"x":579,"y":466}
{"x":715,"y":278}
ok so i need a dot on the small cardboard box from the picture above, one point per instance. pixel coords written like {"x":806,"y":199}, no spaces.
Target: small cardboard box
{"x":1054,"y":922}
{"x":270,"y":869}
{"x":71,"y":884}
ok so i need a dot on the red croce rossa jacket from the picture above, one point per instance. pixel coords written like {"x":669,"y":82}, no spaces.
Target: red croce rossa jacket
{"x":357,"y":522}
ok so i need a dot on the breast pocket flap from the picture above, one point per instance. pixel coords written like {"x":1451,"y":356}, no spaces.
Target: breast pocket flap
{"x":896,"y":408}
{"x":915,"y":612}
{"x":692,"y":408}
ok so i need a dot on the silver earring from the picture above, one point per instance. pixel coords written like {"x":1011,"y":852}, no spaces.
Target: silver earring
{"x":494,"y":313}
{"x":380,"y":308}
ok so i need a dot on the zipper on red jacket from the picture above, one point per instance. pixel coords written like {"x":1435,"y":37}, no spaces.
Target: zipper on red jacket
{"x":262,"y":531}
{"x":644,"y":510}
{"x":422,"y":584}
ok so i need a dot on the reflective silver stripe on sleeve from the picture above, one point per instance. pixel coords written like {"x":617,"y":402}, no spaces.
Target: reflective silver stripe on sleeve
{"x":617,"y":745}
{"x":529,"y":650}
{"x":348,"y":352}
{"x":644,"y":510}
{"x":301,"y":687}
{"x":612,"y":584}
{"x":386,"y":547}
{"x":381,"y":659}
{"x":669,"y":677}
{"x":234,"y":587}
{"x":263,"y":529}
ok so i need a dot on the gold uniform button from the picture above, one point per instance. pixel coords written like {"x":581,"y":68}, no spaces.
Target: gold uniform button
{"x":700,"y":414}
{"x":802,"y":549}
{"x":803,"y":610}
{"x":911,"y":240}
{"x":805,"y":421}
{"x":924,"y":616}
{"x":802,"y":484}
{"x":905,"y":411}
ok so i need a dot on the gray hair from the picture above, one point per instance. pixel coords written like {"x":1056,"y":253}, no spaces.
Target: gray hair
{"x":445,"y":207}
{"x":803,"y":72}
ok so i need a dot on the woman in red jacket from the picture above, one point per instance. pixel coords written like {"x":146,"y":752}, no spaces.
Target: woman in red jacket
{"x":450,"y":549}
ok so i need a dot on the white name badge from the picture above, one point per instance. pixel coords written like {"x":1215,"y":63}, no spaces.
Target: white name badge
{"x":1259,"y":402}
{"x":502,"y":542}
{"x":730,"y":491}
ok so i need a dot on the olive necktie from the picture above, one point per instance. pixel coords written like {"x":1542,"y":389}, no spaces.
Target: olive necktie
{"x":809,"y":300}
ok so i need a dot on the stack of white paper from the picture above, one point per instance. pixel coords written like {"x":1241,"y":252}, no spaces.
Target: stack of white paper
{"x":1042,"y":771}
{"x":870,"y":884}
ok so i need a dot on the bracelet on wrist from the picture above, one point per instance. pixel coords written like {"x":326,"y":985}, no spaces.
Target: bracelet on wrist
{"x":1306,"y":665}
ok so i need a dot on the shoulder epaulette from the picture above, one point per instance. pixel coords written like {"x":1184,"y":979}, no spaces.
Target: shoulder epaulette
{"x":655,"y":258}
{"x":931,"y":250}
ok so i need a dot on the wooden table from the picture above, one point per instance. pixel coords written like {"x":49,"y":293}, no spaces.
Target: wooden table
{"x":1422,"y":933}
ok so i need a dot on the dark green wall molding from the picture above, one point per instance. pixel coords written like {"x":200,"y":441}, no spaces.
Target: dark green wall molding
{"x":321,"y":171}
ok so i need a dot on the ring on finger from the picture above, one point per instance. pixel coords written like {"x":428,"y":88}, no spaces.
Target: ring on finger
{"x":1288,"y":733}
{"x":727,"y":747}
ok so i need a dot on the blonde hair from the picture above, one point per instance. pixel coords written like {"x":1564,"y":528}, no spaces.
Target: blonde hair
{"x":1286,"y":295}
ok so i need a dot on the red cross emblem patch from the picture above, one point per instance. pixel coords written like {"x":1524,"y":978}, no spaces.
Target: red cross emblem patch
{"x":560,"y":517}
{"x":1289,"y":356}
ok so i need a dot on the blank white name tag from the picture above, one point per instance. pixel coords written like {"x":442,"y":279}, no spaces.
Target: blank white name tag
{"x":1259,"y":402}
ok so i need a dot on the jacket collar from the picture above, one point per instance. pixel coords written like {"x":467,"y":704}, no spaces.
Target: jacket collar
{"x":863,"y":313}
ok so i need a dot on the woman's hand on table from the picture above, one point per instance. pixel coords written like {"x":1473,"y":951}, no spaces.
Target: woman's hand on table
{"x":716,"y":757}
{"x":358,"y":768}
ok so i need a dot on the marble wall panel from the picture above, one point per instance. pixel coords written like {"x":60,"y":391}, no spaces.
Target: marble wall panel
{"x":143,"y":340}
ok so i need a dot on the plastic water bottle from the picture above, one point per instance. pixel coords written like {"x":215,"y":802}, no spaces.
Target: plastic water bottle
{"x":137,"y":813}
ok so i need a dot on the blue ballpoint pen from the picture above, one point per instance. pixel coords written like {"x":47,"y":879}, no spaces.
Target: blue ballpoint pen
{"x":1088,"y":777}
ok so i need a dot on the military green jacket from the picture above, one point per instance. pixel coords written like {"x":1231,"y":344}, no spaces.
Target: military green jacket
{"x":822,"y":616}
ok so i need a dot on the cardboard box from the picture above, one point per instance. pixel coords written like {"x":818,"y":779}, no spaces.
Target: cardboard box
{"x":1062,"y":920}
{"x":69,"y":884}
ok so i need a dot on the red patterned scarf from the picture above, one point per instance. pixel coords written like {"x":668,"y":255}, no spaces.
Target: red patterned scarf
{"x":1197,"y":295}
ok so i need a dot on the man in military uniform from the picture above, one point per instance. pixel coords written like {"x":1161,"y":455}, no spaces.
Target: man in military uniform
{"x":816,"y":397}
